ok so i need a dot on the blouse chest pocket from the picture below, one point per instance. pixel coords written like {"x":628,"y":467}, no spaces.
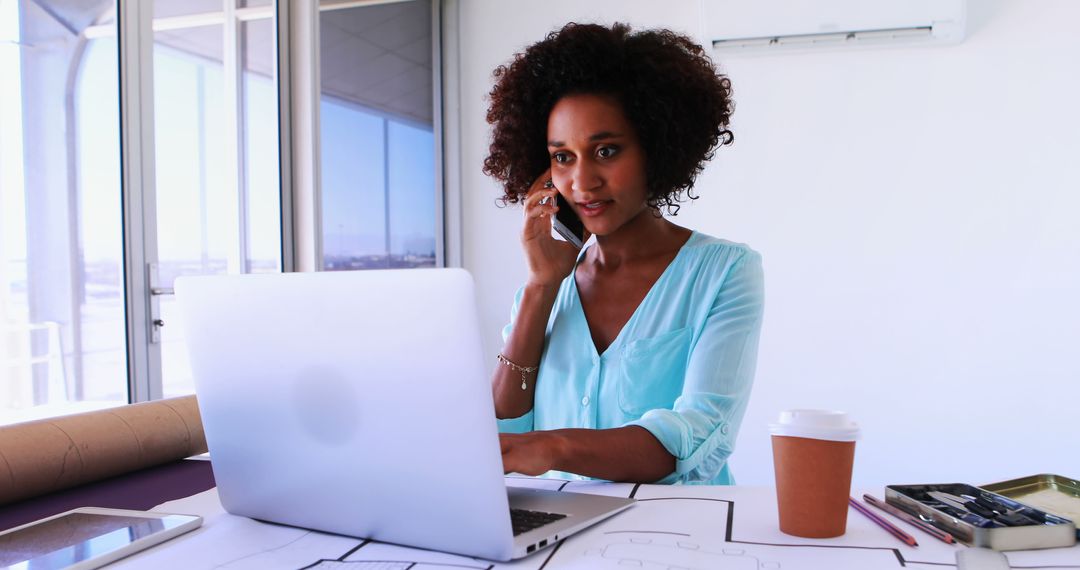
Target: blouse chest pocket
{"x":653,"y":370}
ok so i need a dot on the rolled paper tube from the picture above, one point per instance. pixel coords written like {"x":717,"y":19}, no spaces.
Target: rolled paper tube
{"x":48,"y":455}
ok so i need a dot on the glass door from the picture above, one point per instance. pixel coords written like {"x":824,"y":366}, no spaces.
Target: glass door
{"x":216,"y":193}
{"x":62,"y":312}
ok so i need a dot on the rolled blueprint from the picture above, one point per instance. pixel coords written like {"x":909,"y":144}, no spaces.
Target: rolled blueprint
{"x":48,"y":455}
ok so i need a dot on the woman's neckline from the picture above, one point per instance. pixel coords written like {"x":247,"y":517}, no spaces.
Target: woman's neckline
{"x":637,"y":310}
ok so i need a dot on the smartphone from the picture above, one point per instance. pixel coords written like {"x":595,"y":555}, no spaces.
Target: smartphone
{"x":88,"y":538}
{"x":567,"y":223}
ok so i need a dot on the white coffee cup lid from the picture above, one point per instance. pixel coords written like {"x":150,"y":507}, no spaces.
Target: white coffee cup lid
{"x":816,"y":424}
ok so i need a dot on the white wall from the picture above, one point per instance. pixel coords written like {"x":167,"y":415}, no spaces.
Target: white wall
{"x":918,"y":210}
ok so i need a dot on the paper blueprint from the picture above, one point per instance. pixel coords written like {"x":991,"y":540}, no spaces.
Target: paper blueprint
{"x":671,"y":527}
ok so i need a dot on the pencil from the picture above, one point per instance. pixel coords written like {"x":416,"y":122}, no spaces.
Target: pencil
{"x":912,"y":520}
{"x":890,"y":527}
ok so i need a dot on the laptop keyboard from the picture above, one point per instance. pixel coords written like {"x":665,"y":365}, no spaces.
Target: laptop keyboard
{"x":524,"y":520}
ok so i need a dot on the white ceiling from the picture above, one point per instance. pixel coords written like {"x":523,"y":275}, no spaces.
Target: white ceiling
{"x":380,"y":56}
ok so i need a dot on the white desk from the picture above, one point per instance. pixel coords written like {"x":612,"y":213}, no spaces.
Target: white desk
{"x":684,"y":527}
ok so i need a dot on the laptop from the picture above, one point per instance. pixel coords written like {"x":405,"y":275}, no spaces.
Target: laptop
{"x":359,"y":403}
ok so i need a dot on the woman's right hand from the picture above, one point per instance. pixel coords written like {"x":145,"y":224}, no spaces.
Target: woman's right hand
{"x":550,"y":260}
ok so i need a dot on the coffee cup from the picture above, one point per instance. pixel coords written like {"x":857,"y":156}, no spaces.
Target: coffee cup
{"x":813,"y":453}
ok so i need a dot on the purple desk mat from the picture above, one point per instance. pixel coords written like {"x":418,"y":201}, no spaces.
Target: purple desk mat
{"x":140,"y":490}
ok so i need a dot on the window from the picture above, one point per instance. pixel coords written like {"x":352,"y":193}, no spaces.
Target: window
{"x":62,"y":339}
{"x":216,"y":160}
{"x":89,"y":248}
{"x":377,"y":136}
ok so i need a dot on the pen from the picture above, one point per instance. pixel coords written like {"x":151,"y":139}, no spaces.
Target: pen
{"x":912,"y":520}
{"x":893,"y":530}
{"x":960,"y":506}
{"x":1002,"y":513}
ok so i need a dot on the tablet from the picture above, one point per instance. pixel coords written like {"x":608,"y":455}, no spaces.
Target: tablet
{"x":87,"y":538}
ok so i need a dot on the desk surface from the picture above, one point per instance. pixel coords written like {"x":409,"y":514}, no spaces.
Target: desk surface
{"x":670,"y":527}
{"x":140,"y":490}
{"x":684,"y":527}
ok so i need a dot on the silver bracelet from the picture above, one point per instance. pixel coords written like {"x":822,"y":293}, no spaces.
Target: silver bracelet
{"x":516,"y":368}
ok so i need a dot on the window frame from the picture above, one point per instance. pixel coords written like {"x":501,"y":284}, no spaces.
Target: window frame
{"x":299,"y":92}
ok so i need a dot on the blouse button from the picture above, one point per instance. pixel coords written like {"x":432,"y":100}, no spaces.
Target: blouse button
{"x":585,"y":401}
{"x":724,"y":429}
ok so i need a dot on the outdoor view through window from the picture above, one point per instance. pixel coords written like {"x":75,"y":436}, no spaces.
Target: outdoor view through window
{"x":378,"y":147}
{"x":62,"y":338}
{"x":63,"y":335}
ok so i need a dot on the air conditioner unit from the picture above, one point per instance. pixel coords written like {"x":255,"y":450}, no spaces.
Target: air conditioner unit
{"x":774,"y":25}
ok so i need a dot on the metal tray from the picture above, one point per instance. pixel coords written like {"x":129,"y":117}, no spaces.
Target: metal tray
{"x":1051,"y":493}
{"x":1057,"y":532}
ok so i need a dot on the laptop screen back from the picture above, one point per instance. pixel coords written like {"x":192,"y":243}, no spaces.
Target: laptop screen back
{"x":351,"y":402}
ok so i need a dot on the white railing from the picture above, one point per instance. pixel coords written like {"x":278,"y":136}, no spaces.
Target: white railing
{"x":18,"y":362}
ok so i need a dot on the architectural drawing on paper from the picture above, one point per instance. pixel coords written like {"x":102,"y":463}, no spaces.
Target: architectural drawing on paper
{"x":676,"y":527}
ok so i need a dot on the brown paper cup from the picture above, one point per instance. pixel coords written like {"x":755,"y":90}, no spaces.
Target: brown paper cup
{"x":813,"y":483}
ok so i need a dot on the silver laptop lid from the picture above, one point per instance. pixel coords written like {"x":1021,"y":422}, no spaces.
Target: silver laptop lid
{"x":351,"y":402}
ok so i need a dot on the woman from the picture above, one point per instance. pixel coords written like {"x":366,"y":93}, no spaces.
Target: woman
{"x":630,"y":360}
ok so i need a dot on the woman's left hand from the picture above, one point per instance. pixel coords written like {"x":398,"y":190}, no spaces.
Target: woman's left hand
{"x":532,"y":453}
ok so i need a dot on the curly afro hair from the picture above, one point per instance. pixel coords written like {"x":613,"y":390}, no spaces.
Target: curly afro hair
{"x":668,"y":88}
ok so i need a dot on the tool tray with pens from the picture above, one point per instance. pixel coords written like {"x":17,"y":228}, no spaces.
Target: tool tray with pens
{"x":982,"y":518}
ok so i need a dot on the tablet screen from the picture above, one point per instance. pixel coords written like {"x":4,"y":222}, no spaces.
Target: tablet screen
{"x":76,"y":537}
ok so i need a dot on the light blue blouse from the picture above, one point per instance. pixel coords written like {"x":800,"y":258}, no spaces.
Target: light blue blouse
{"x":681,"y":367}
